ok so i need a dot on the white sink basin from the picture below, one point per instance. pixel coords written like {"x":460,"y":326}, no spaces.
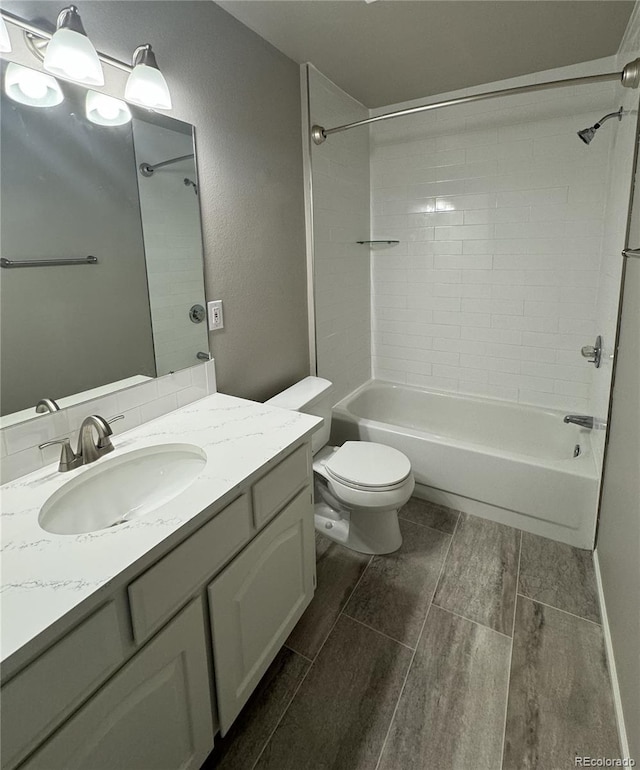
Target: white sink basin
{"x":122,"y":489}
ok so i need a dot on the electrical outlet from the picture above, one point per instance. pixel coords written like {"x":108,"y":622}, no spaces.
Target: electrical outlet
{"x":216,"y":317}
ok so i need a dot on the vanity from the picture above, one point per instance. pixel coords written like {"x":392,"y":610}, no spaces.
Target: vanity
{"x":132,"y":645}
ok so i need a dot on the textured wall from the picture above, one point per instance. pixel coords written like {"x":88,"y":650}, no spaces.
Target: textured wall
{"x":499,"y":208}
{"x":243,"y":97}
{"x":341,"y":267}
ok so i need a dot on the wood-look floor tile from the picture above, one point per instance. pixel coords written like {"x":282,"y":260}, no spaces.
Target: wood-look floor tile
{"x":560,"y":699}
{"x":451,"y":712}
{"x":480,"y":575}
{"x":340,"y":716}
{"x":429,"y":515}
{"x":338,"y":571}
{"x":395,"y":591}
{"x":560,"y":575}
{"x":242,"y":745}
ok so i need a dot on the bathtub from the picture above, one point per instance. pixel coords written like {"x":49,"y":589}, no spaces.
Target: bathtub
{"x":518,"y":465}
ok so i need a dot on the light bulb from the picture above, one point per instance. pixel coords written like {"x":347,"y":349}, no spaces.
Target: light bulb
{"x":146,"y":84}
{"x":27,"y":86}
{"x":5,"y":40}
{"x":105,"y":110}
{"x":33,"y":86}
{"x":70,"y":54}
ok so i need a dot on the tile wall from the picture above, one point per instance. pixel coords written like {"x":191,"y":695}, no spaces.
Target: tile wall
{"x":19,"y":453}
{"x":500,"y":209}
{"x":340,"y":176}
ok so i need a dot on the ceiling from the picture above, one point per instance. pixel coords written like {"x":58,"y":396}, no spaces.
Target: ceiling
{"x":395,"y":50}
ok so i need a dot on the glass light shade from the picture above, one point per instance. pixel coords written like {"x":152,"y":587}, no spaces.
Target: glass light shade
{"x":5,"y":40}
{"x":31,"y":87}
{"x":71,"y":55}
{"x":105,"y":110}
{"x":147,"y":86}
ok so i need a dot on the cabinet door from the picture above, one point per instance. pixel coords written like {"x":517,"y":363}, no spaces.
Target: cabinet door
{"x":154,"y":714}
{"x":257,"y":600}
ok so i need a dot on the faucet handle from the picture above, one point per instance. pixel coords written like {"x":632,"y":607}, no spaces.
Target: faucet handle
{"x":104,"y":442}
{"x":68,"y":458}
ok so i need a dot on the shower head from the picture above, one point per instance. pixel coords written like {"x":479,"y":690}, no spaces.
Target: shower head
{"x":190,"y":183}
{"x":587,"y":134}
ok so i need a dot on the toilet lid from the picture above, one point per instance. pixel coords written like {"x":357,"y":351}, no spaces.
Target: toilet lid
{"x":368,"y":465}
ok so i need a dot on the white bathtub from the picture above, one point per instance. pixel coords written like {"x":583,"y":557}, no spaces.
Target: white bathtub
{"x":507,"y":462}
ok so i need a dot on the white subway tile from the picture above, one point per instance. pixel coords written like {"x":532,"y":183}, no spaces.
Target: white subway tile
{"x":464,"y":232}
{"x":30,"y":433}
{"x":389,"y":375}
{"x":433,"y":383}
{"x":463,"y":262}
{"x":503,"y":336}
{"x":500,"y":306}
{"x":462,"y":319}
{"x":524,"y":323}
{"x":486,"y":390}
{"x":487,"y":362}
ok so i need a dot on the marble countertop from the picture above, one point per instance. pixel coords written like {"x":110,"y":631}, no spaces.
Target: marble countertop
{"x":47,"y":576}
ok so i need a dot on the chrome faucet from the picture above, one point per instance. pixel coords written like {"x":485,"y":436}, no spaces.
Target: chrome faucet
{"x":89,"y":450}
{"x":47,"y":405}
{"x":583,"y":420}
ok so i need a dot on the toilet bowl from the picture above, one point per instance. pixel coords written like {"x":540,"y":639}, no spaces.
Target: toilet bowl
{"x":358,"y":486}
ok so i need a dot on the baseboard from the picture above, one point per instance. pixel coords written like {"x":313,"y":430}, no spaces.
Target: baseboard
{"x":611,"y":662}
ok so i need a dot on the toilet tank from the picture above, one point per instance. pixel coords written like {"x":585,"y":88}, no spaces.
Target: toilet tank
{"x":313,"y":395}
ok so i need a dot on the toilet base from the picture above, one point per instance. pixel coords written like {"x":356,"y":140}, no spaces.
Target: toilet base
{"x":365,"y":531}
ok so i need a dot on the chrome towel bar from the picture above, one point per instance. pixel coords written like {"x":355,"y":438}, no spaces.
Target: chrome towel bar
{"x":47,"y":262}
{"x":631,"y":253}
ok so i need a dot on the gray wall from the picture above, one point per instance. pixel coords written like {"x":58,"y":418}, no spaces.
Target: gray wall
{"x":243,"y":97}
{"x":67,"y":329}
{"x":618,"y":544}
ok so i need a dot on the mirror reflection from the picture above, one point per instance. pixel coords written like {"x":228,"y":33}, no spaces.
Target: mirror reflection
{"x":101,"y":283}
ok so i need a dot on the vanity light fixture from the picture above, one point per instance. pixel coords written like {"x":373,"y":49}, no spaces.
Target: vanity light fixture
{"x":105,"y":110}
{"x":5,"y":40}
{"x":70,"y":54}
{"x":27,"y":86}
{"x":146,"y":84}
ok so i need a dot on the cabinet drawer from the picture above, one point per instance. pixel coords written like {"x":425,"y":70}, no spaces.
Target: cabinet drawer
{"x":36,"y":700}
{"x":280,"y":485}
{"x":163,"y":588}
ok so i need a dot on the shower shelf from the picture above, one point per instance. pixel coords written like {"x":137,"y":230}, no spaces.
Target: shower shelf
{"x":379,"y":241}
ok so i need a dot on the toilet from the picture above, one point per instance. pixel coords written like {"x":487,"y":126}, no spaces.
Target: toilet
{"x":358,"y":486}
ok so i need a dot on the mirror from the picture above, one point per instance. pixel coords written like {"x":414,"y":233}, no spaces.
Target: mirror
{"x":119,"y":201}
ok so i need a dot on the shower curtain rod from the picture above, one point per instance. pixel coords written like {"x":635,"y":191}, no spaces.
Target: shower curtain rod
{"x":629,"y":77}
{"x":146,"y":169}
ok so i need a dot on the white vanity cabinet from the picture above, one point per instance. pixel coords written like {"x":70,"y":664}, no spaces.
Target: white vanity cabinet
{"x":154,"y":713}
{"x":185,"y":640}
{"x":257,"y":600}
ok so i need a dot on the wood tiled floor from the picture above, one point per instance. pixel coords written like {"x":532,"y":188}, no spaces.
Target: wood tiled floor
{"x":473,"y":647}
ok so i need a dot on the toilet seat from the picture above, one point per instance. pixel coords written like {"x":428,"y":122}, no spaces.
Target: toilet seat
{"x":368,"y":466}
